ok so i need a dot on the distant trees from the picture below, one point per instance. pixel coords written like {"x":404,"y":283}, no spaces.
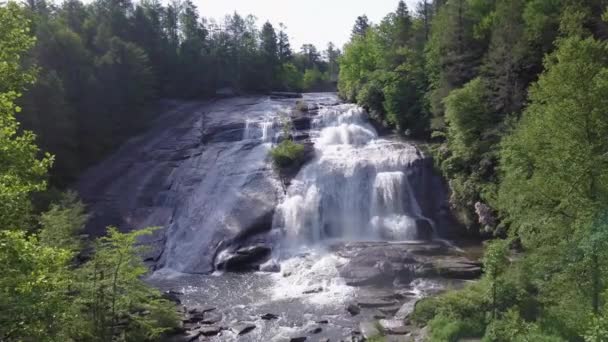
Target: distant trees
{"x":103,"y":66}
{"x":383,"y":70}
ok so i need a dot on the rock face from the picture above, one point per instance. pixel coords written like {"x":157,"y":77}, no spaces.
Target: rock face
{"x":384,"y":263}
{"x":197,"y":175}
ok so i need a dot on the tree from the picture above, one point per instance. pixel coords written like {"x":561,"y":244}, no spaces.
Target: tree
{"x":361,"y":26}
{"x":332,"y":56}
{"x":270,"y":54}
{"x":64,"y":222}
{"x":283,"y":46}
{"x":33,"y":290}
{"x":22,"y":172}
{"x":114,"y":298}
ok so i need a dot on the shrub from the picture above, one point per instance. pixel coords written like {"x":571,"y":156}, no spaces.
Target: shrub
{"x":287,"y":154}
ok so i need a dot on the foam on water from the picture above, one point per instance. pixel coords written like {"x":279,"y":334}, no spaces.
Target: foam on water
{"x":312,"y":271}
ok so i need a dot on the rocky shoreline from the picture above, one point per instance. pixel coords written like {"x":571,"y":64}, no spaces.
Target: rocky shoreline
{"x":381,"y":272}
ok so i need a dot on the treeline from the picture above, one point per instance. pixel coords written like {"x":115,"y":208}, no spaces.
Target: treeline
{"x":56,"y":285}
{"x":104,"y":64}
{"x":512,"y":95}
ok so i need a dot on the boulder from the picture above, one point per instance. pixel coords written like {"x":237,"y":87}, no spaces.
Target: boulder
{"x":457,"y":268}
{"x":298,"y":339}
{"x":242,"y":328}
{"x":173,"y":296}
{"x":314,"y":330}
{"x":368,"y":329}
{"x":394,"y":327}
{"x":269,"y":316}
{"x":313,"y":289}
{"x":353,"y":309}
{"x":243,"y":259}
{"x":210,"y":330}
{"x":375,"y":303}
{"x":211,"y":317}
{"x":270,"y":266}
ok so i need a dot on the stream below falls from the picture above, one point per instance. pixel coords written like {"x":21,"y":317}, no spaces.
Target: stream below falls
{"x":341,"y":251}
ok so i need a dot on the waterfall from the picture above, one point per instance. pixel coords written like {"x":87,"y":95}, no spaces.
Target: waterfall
{"x":264,"y":129}
{"x":356,"y":188}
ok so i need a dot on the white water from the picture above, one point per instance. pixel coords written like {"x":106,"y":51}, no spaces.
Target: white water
{"x":357,"y":187}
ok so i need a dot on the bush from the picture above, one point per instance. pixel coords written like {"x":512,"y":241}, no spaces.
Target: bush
{"x":445,"y":329}
{"x":287,"y":154}
{"x":424,"y":310}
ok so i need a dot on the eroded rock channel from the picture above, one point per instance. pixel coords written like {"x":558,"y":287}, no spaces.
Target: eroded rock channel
{"x":341,"y":251}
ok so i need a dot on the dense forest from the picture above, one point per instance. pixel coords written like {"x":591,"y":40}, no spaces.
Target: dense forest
{"x":103,"y":66}
{"x":511,"y":95}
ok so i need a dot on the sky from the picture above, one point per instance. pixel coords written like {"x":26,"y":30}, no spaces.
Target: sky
{"x":308,"y":21}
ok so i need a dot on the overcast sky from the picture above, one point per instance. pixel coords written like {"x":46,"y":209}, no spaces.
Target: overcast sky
{"x":308,"y":21}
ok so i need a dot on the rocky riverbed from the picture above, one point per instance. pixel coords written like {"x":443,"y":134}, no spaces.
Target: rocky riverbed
{"x":346,"y":291}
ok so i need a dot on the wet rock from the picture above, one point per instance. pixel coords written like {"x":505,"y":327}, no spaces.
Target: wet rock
{"x":379,"y":315}
{"x":389,"y":310}
{"x":457,"y":268}
{"x":270,"y":266}
{"x":200,"y":309}
{"x":314,"y":289}
{"x":314,"y":330}
{"x":211,"y":317}
{"x":269,"y":316}
{"x":192,"y":335}
{"x":243,"y":259}
{"x":298,"y":339}
{"x":285,"y":95}
{"x":394,"y":327}
{"x":173,"y":296}
{"x":375,"y":303}
{"x":405,"y":310}
{"x":485,"y":216}
{"x":242,"y":328}
{"x":424,"y":230}
{"x":322,"y":321}
{"x":210,"y":330}
{"x":369,"y":329}
{"x":301,"y":123}
{"x":353,"y":309}
{"x":361,"y":275}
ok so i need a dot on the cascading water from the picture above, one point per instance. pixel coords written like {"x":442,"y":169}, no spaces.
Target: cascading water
{"x":355,"y":189}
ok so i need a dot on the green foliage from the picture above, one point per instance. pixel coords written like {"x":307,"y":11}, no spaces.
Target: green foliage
{"x":313,"y":78}
{"x":382,"y":70}
{"x":425,"y":310}
{"x":287,"y":154}
{"x":118,"y":303}
{"x":22,"y":172}
{"x":34,"y":305}
{"x":62,"y":225}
